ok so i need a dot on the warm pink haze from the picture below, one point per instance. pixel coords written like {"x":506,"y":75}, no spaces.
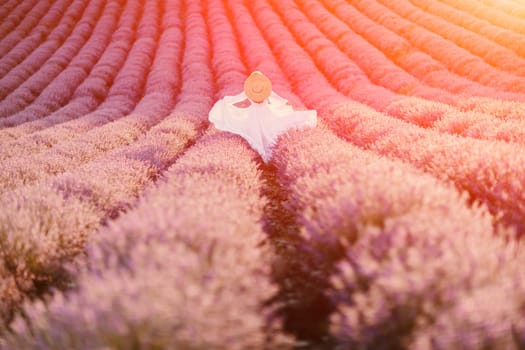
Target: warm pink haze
{"x":129,"y":221}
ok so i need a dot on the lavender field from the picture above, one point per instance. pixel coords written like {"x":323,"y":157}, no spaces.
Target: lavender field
{"x":129,"y":221}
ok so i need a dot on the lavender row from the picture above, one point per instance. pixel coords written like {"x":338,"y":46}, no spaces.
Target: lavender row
{"x":75,"y":204}
{"x":300,"y":300}
{"x":346,"y":76}
{"x":90,"y":194}
{"x":490,"y":171}
{"x":57,"y":23}
{"x":379,"y":68}
{"x":504,"y":37}
{"x":349,"y":79}
{"x":35,"y":24}
{"x":331,"y":154}
{"x":479,"y":167}
{"x":60,"y":89}
{"x":424,"y":113}
{"x":78,"y":113}
{"x":256,"y":52}
{"x":444,"y":119}
{"x":320,"y":96}
{"x":455,"y":58}
{"x":7,"y":7}
{"x":482,"y":189}
{"x":384,"y":72}
{"x":419,"y":64}
{"x":511,"y":8}
{"x":124,"y":90}
{"x":214,"y":284}
{"x":15,"y":17}
{"x":400,"y":249}
{"x":362,"y":214}
{"x":150,"y":109}
{"x":490,"y":14}
{"x":208,"y":278}
{"x":30,"y":77}
{"x":479,"y":45}
{"x":427,"y":70}
{"x":382,"y":69}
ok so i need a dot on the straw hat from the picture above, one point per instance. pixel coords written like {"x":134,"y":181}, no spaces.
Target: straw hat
{"x":257,"y":87}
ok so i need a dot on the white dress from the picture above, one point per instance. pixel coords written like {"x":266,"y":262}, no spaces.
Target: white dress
{"x":260,"y":123}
